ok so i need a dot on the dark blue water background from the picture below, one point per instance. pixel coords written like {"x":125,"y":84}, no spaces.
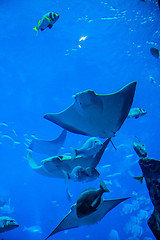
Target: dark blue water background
{"x":39,"y":74}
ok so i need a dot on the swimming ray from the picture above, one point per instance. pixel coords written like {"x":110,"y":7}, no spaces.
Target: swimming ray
{"x":60,"y":166}
{"x":71,"y":220}
{"x":96,"y":115}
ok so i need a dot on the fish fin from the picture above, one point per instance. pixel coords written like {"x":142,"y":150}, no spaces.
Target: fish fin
{"x":103,"y":186}
{"x":36,"y":28}
{"x":94,"y":203}
{"x":138,"y":139}
{"x":39,"y":21}
{"x":48,"y":18}
{"x":140,"y":179}
{"x":50,"y":26}
{"x":73,"y":153}
{"x":55,"y":14}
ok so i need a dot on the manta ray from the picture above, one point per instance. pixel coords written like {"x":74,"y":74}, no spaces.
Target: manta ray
{"x":48,"y":147}
{"x":94,"y":114}
{"x":71,"y":220}
{"x":62,"y":166}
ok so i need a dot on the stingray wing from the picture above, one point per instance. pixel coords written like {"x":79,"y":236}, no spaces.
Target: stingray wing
{"x":88,"y":161}
{"x":69,"y":221}
{"x":98,"y":156}
{"x":72,"y":221}
{"x":33,"y":164}
{"x":96,"y":115}
{"x":103,"y":209}
{"x":48,"y":147}
{"x":42,"y":170}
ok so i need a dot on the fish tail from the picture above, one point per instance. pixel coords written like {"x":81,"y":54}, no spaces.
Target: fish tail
{"x":140,"y":179}
{"x":73,"y":153}
{"x":103,"y":186}
{"x":36,"y":29}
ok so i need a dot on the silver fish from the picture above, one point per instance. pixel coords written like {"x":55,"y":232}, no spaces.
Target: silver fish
{"x":89,"y":148}
{"x":7,"y":224}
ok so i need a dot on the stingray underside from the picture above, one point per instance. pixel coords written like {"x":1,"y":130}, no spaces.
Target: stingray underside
{"x":96,"y":115}
{"x":55,"y":173}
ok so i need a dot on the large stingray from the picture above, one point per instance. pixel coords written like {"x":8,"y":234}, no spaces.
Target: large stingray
{"x":72,"y":221}
{"x":48,"y":147}
{"x":61,"y":166}
{"x":96,"y":115}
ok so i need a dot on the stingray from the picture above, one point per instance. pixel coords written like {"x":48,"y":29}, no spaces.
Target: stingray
{"x":48,"y":147}
{"x":96,"y":115}
{"x":62,"y":166}
{"x":71,"y":220}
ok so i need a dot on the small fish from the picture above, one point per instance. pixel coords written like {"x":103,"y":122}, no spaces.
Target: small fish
{"x":140,"y":179}
{"x":7,"y":224}
{"x":113,"y":175}
{"x":83,"y":174}
{"x":130,"y":155}
{"x":136,"y":112}
{"x":4,"y":124}
{"x":139,"y":148}
{"x":106,"y":166}
{"x":152,"y":80}
{"x":47,"y":20}
{"x":155,"y":52}
{"x":7,"y":136}
{"x":89,"y":148}
{"x":107,"y":182}
{"x":89,"y":200}
{"x":33,"y":229}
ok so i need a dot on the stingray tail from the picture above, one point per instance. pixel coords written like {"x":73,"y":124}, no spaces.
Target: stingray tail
{"x":113,"y":145}
{"x":103,"y":186}
{"x":69,"y":195}
{"x":73,"y":153}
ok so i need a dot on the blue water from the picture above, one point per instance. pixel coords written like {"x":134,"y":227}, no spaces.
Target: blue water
{"x":39,"y":74}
